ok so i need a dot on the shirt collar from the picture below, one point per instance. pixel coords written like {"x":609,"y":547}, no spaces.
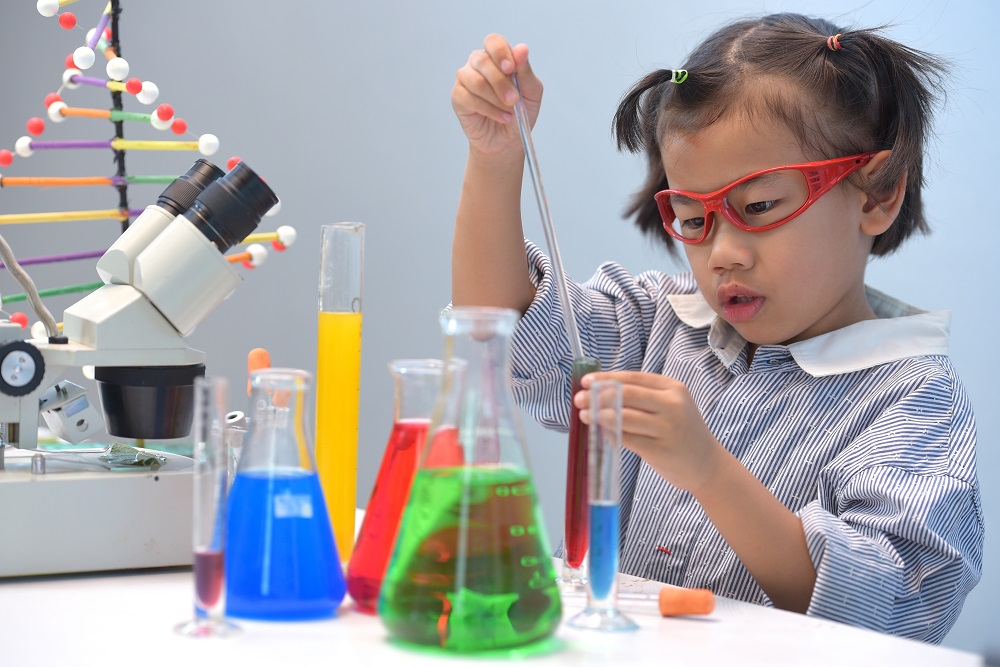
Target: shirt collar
{"x":902,"y":331}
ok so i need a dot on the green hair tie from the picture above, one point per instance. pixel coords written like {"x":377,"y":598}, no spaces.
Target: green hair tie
{"x":678,"y":75}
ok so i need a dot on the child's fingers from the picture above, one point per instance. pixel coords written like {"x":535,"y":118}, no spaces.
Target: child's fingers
{"x":641,"y":424}
{"x":605,"y":400}
{"x":669,"y":398}
{"x":621,"y":376}
{"x":496,"y":65}
{"x":466,"y":101}
{"x":520,"y":55}
{"x":531,"y":86}
{"x":606,"y":414}
{"x":637,"y":379}
{"x":500,"y":52}
{"x":481,"y":76}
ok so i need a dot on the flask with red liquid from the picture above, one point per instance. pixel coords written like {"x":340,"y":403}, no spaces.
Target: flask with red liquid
{"x":416,"y":383}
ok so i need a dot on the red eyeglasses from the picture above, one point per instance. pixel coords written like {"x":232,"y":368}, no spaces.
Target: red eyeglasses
{"x":757,"y":202}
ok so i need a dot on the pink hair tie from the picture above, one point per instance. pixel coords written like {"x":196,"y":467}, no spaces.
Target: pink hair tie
{"x":833,"y":42}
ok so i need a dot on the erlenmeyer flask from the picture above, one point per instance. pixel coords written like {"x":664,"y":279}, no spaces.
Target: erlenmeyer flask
{"x":282,"y":562}
{"x":416,"y":383}
{"x":471,"y":569}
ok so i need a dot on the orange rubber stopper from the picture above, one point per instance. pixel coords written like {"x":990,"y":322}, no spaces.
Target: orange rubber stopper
{"x":686,"y":601}
{"x":257,"y":359}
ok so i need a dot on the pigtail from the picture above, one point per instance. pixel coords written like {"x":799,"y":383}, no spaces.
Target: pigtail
{"x":634,"y":124}
{"x":635,"y":128}
{"x":893,"y":89}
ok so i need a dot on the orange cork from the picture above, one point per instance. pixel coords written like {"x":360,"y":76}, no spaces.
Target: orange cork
{"x":257,"y":359}
{"x":686,"y":601}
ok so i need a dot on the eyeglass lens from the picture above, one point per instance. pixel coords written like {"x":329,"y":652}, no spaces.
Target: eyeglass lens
{"x":762,"y":201}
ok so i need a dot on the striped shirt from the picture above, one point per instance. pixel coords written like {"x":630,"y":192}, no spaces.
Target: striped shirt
{"x":866,"y":433}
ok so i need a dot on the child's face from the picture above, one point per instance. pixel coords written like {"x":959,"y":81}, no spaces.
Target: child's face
{"x":785,"y":284}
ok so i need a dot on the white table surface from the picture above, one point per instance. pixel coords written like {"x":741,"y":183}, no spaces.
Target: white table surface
{"x":128,"y":618}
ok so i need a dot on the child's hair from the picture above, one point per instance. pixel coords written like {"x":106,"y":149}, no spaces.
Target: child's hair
{"x":870,"y":94}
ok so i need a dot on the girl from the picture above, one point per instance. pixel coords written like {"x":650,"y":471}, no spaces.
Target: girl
{"x":794,"y":437}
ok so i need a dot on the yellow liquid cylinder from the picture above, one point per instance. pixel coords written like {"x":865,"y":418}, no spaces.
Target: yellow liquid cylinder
{"x":338,"y":379}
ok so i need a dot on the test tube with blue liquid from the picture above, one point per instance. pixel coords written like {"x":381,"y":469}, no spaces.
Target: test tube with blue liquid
{"x":604,"y":497}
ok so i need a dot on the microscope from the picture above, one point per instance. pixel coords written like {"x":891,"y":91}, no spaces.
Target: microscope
{"x":77,"y":510}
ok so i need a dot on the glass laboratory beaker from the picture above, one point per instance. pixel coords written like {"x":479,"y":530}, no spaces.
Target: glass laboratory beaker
{"x":471,"y":570}
{"x":338,"y":374}
{"x":282,"y":563}
{"x":416,"y":383}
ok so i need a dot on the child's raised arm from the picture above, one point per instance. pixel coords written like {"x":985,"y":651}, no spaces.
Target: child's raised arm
{"x":489,"y":266}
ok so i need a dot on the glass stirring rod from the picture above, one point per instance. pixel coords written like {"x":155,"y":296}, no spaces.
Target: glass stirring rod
{"x":576,"y":528}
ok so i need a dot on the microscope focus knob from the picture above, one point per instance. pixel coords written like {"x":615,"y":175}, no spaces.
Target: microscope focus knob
{"x":22,"y":368}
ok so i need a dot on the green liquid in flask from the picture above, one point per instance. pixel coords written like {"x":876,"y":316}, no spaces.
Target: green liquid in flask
{"x":471,"y":570}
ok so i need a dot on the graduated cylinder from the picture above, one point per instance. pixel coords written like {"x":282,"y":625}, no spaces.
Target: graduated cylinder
{"x":338,"y":374}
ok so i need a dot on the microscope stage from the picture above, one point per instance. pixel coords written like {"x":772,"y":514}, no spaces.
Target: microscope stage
{"x":70,"y":520}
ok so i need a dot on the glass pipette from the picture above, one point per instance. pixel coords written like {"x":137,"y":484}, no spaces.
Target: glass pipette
{"x":575,"y":545}
{"x":543,"y":210}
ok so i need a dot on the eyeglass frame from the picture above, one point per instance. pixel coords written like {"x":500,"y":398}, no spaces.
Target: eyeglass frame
{"x":830,"y":173}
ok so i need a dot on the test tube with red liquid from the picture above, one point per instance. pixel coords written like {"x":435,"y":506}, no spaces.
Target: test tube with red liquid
{"x":573,"y":576}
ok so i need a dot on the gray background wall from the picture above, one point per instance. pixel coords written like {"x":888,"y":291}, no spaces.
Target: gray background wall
{"x":344,"y":109}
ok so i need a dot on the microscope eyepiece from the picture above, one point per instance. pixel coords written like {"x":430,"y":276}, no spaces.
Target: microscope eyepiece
{"x":117,"y":266}
{"x":181,"y":193}
{"x":230,"y":208}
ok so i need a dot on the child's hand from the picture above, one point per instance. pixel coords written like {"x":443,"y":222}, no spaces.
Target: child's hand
{"x":484,"y":95}
{"x":662,"y":424}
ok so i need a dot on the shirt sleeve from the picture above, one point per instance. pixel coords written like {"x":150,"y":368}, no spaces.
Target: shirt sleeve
{"x":897,"y":544}
{"x":613,"y":312}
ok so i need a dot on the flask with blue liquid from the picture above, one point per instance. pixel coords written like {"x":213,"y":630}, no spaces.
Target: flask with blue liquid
{"x":282,"y":562}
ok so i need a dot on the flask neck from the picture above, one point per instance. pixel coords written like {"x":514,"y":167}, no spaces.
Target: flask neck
{"x":416,"y":383}
{"x":484,"y":364}
{"x":280,"y":435}
{"x":477,"y":406}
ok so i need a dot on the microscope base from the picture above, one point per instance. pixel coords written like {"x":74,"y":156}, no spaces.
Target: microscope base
{"x":91,"y":521}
